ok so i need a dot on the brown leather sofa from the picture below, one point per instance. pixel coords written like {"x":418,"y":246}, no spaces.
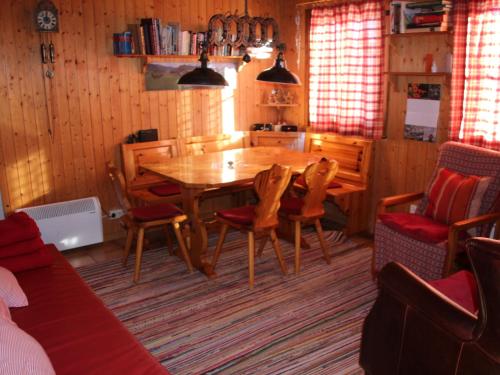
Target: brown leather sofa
{"x":414,"y":329}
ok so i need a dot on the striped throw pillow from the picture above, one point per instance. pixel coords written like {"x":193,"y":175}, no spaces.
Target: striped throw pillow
{"x":453,"y":197}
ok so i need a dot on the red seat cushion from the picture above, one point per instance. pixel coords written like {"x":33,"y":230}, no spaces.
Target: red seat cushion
{"x":36,"y":259}
{"x":156,"y":212}
{"x":291,"y":205}
{"x":418,"y":227}
{"x":239,"y":215}
{"x":461,"y":288}
{"x":302,"y":182}
{"x":165,"y":190}
{"x":453,"y":197}
{"x":22,"y":247}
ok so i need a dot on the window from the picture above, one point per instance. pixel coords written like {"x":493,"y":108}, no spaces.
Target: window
{"x":475,"y":93}
{"x":345,"y":69}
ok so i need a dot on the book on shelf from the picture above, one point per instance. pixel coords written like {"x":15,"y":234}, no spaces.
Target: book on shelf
{"x":122,"y":43}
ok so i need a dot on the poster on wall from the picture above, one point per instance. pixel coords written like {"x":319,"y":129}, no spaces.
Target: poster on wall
{"x":164,"y":76}
{"x":422,"y":111}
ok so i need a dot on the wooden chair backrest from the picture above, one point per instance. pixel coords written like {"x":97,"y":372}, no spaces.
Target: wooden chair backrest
{"x":270,"y":186}
{"x":135,"y":154}
{"x":118,"y":181}
{"x":352,"y":154}
{"x":317,"y":176}
{"x":200,"y":145}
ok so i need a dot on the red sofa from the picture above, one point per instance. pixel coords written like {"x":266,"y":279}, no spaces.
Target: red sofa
{"x":79,"y":334}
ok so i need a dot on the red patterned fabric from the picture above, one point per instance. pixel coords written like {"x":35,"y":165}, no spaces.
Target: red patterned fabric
{"x":291,"y":205}
{"x":156,"y":212}
{"x":461,"y":288}
{"x":418,"y":227}
{"x":475,"y":89}
{"x":453,"y":197}
{"x":165,"y":190}
{"x":345,"y":69}
{"x":240,"y":215}
{"x":17,"y":227}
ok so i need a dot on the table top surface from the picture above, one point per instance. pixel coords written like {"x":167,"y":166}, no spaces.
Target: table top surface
{"x":230,"y":167}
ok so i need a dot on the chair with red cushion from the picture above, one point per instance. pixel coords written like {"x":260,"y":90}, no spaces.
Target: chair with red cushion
{"x":461,"y":201}
{"x":259,"y":220}
{"x":446,"y":326}
{"x":138,"y":219}
{"x":301,"y":210}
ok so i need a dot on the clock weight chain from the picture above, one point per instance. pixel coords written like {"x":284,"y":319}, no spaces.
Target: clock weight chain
{"x":48,"y":73}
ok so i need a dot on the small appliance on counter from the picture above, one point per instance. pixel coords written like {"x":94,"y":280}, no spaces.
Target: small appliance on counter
{"x":262,"y":127}
{"x":288,"y":128}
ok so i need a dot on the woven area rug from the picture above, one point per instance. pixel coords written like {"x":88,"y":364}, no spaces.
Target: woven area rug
{"x":306,"y":324}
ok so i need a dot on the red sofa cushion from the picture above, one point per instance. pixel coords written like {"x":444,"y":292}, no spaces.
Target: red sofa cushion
{"x":156,"y":212}
{"x":38,"y":258}
{"x":16,"y":228}
{"x":22,"y":247}
{"x":418,"y":227}
{"x":79,"y":334}
{"x":302,"y":182}
{"x":291,"y":205}
{"x":453,"y":197}
{"x":461,"y":288}
{"x":240,"y":215}
{"x":165,"y":190}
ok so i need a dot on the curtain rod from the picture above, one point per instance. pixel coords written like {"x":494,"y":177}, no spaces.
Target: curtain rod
{"x":315,"y":3}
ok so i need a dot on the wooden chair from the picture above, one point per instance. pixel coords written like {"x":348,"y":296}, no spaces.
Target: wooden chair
{"x":317,"y":178}
{"x":259,"y":220}
{"x":138,"y":219}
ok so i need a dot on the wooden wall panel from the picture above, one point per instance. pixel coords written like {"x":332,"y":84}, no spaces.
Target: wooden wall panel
{"x":95,"y":99}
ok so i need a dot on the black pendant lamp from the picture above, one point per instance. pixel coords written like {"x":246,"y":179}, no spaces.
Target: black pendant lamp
{"x":203,"y":76}
{"x":278,"y":73}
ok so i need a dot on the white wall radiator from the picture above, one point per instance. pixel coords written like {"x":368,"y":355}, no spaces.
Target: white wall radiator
{"x":69,"y":224}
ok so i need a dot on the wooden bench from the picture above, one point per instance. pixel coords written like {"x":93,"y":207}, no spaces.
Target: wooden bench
{"x":200,"y":145}
{"x":139,"y":182}
{"x":354,"y":156}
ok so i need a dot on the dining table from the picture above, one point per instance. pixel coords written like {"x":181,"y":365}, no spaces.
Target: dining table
{"x":197,"y":174}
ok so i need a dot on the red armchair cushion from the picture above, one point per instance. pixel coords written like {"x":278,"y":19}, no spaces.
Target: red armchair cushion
{"x":291,"y":205}
{"x":36,"y":259}
{"x":16,"y":228}
{"x":418,"y":227}
{"x":165,"y":190}
{"x":156,"y":212}
{"x":453,"y":197}
{"x":461,"y":288}
{"x":302,"y":182}
{"x":19,"y":248}
{"x":239,"y":215}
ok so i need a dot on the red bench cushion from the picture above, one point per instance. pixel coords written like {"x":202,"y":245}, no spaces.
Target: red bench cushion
{"x":165,"y":190}
{"x":291,"y":205}
{"x":78,"y":333}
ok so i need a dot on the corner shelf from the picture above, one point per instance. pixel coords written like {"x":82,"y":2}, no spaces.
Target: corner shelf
{"x":395,"y":75}
{"x":280,"y":108}
{"x":147,"y":59}
{"x":428,"y":33}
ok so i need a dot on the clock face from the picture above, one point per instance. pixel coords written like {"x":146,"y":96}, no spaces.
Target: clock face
{"x":46,"y":20}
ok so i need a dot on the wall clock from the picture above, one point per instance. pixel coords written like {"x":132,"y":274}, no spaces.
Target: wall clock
{"x":46,"y":17}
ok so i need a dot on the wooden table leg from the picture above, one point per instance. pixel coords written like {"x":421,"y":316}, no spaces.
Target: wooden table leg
{"x":198,"y":230}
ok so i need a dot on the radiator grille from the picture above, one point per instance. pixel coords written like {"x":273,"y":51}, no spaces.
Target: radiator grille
{"x":62,"y":209}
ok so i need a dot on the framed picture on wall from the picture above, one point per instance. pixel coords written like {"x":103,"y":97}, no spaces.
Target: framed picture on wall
{"x":422,"y":111}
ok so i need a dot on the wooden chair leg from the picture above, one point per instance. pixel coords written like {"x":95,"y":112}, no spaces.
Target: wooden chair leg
{"x":277,"y":250}
{"x":128,"y":245}
{"x":170,"y":246}
{"x":319,"y":230}
{"x":262,"y":245}
{"x":251,"y":260}
{"x":220,"y":242}
{"x":182,"y":246}
{"x":297,"y":246}
{"x":138,"y":254}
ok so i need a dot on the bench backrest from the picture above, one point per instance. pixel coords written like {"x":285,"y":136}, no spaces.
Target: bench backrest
{"x":135,"y":154}
{"x":200,"y":145}
{"x":352,"y":154}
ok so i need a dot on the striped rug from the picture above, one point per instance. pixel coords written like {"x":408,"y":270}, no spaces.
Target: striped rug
{"x":307,"y":324}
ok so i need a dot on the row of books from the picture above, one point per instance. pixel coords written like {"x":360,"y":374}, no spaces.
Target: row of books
{"x":416,"y":17}
{"x":151,"y":37}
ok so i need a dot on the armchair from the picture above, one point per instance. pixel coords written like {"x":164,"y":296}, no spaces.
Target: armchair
{"x":426,"y":245}
{"x":414,"y":328}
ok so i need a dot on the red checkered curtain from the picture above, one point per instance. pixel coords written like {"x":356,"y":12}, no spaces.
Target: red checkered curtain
{"x":475,"y":86}
{"x":345,"y":69}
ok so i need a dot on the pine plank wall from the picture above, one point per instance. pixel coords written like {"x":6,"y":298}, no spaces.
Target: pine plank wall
{"x":95,"y":100}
